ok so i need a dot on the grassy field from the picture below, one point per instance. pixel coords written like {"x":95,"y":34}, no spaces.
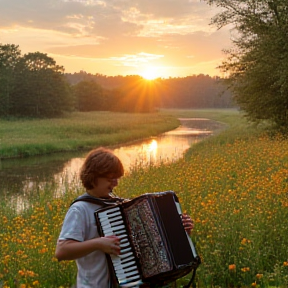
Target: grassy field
{"x":20,"y":138}
{"x":234,"y":185}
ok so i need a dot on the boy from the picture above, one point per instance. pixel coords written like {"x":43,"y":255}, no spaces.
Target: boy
{"x":79,"y":239}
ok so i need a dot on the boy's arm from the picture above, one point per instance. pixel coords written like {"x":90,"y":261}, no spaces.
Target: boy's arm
{"x":72,"y":249}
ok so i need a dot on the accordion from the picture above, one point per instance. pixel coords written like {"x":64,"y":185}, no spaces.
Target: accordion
{"x":154,"y":245}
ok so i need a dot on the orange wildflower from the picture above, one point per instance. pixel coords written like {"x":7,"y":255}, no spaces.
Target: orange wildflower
{"x":232,"y":267}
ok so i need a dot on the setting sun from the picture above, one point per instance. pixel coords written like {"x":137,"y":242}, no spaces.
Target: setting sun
{"x":149,"y":73}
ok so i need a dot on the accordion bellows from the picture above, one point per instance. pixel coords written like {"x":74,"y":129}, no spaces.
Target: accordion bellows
{"x":155,"y":248}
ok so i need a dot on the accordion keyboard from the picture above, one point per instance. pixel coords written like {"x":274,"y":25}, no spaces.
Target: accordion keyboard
{"x":124,"y":264}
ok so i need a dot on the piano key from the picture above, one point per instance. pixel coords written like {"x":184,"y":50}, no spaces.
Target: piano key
{"x":128,"y":258}
{"x":127,"y":269}
{"x":118,"y":234}
{"x":114,"y":229}
{"x":121,"y":265}
{"x":108,"y":212}
{"x":135,"y":284}
{"x":124,"y":244}
{"x":112,"y":224}
{"x":123,"y":251}
{"x":130,"y":279}
{"x":129,"y":261}
{"x":123,"y":236}
{"x":108,"y":234}
{"x":126,"y":274}
{"x":104,"y":221}
{"x":106,"y":216}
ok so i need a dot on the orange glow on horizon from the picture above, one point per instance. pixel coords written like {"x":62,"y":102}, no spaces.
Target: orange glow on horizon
{"x":149,"y":73}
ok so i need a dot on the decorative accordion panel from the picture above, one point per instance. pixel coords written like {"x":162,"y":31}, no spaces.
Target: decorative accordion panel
{"x":149,"y":246}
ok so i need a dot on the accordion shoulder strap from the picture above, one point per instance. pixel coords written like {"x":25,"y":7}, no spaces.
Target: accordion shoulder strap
{"x":99,"y":201}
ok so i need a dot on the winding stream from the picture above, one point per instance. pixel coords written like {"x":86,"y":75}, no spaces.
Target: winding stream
{"x":20,"y":176}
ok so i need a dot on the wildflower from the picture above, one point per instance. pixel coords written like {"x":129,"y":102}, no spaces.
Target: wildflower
{"x":43,"y":250}
{"x":232,"y":267}
{"x":245,"y":241}
{"x":245,"y":269}
{"x":285,"y":263}
{"x":31,"y":273}
{"x":254,"y":284}
{"x":49,"y":206}
{"x":259,"y":276}
{"x":36,"y":282}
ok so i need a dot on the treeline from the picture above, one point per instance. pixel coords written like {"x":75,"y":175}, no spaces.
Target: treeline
{"x":197,"y":91}
{"x":33,"y":85}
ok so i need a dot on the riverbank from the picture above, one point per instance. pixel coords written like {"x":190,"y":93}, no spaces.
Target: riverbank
{"x":79,"y":131}
{"x":86,"y":130}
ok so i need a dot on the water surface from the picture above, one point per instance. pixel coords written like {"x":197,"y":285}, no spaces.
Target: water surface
{"x":20,"y":176}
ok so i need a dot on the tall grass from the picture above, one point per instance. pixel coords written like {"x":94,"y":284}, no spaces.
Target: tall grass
{"x":235,"y":188}
{"x":78,"y":131}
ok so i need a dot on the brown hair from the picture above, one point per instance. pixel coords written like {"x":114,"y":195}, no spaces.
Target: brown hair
{"x":100,"y":162}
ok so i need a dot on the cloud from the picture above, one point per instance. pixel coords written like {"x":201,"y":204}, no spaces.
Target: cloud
{"x":169,"y":31}
{"x":102,"y":18}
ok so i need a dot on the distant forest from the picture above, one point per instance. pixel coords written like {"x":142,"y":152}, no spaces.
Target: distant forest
{"x":197,"y":91}
{"x":33,"y":85}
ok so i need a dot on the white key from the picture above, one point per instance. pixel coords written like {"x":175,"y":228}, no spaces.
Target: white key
{"x":107,"y":213}
{"x":122,"y":266}
{"x":114,"y":229}
{"x":104,"y":221}
{"x":127,"y":269}
{"x":111,"y":232}
{"x":123,"y":236}
{"x":130,"y":279}
{"x":123,"y":251}
{"x":125,"y":244}
{"x":135,"y":284}
{"x":129,"y":258}
{"x":117,"y":261}
{"x":125,"y":255}
{"x":126,"y":274}
{"x":113,"y":224}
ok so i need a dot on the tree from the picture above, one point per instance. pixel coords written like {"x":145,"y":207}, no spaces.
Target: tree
{"x":41,"y":90}
{"x":89,"y":96}
{"x":258,"y":62}
{"x":9,"y":57}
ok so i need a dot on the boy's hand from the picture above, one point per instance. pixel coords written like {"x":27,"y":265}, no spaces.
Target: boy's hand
{"x":187,"y":223}
{"x":110,"y":245}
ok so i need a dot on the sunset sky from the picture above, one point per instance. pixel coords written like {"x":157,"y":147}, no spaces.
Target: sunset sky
{"x":151,"y":38}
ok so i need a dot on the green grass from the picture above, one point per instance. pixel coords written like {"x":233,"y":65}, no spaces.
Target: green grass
{"x":20,"y":138}
{"x":234,"y":185}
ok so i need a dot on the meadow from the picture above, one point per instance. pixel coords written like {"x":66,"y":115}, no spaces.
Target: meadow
{"x":234,"y":185}
{"x":78,"y":130}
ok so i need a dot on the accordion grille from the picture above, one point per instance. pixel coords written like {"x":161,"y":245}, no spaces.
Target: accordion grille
{"x":146,"y":237}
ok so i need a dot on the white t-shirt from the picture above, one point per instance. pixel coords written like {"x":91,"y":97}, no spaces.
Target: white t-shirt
{"x":79,"y":224}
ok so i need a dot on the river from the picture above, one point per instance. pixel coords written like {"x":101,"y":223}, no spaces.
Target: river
{"x":20,"y":176}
